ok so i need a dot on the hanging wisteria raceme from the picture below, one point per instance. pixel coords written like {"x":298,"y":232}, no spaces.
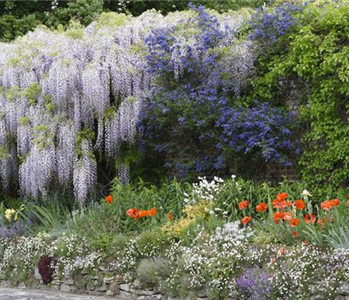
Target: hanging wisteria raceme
{"x":66,"y":96}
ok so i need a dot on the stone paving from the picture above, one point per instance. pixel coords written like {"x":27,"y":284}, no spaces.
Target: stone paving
{"x":22,"y":294}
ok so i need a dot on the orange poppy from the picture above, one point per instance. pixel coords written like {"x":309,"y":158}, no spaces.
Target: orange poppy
{"x":334,"y":202}
{"x":299,"y":204}
{"x":305,"y":243}
{"x":143,"y":213}
{"x":287,"y":216}
{"x":109,"y":199}
{"x":133,"y":213}
{"x":281,"y":204}
{"x":295,"y":222}
{"x":309,"y":219}
{"x":294,"y":234}
{"x":348,"y":203}
{"x":328,"y":204}
{"x":170,"y":216}
{"x":282,"y":196}
{"x":278,"y":216}
{"x":147,"y":213}
{"x":152,"y":212}
{"x":243,"y":204}
{"x":261,"y":207}
{"x":246,"y":220}
{"x":321,"y":223}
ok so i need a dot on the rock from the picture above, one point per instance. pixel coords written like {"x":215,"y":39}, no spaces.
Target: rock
{"x":67,"y":288}
{"x":136,"y":284}
{"x":127,"y":296}
{"x":108,"y":280}
{"x":201,"y":294}
{"x":103,"y":269}
{"x":84,"y":272}
{"x":339,"y":297}
{"x":37,"y":274}
{"x":69,"y":282}
{"x":109,"y":293}
{"x":90,"y":286}
{"x":124,"y":287}
{"x":53,"y":287}
{"x":119,"y":278}
{"x":346,"y":297}
{"x":21,"y":286}
{"x":5,"y":284}
{"x":141,"y":298}
{"x":114,"y":287}
{"x":317,"y":297}
{"x":343,"y":289}
{"x":142,"y":292}
{"x":102,"y":288}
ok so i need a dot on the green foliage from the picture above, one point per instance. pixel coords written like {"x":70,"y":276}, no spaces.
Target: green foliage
{"x":17,"y":18}
{"x":151,"y":270}
{"x":309,"y":68}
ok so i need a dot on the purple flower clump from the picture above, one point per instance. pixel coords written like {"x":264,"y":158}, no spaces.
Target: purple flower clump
{"x":254,"y":284}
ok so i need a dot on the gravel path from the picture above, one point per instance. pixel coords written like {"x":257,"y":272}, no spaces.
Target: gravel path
{"x":22,"y":294}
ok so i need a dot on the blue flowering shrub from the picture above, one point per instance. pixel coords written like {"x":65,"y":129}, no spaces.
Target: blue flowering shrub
{"x":273,"y":23}
{"x":193,"y":124}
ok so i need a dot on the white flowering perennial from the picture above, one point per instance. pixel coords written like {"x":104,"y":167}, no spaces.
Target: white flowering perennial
{"x":65,"y":96}
{"x":204,"y":190}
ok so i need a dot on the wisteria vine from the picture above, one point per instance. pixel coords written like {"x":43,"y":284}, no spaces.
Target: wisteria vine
{"x":65,"y":96}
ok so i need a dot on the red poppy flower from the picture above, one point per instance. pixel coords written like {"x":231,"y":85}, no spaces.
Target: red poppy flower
{"x":281,"y":197}
{"x":278,"y":216}
{"x":287,"y":216}
{"x":309,"y":219}
{"x":133,"y":213}
{"x":170,"y":216}
{"x":152,"y":212}
{"x":109,"y":199}
{"x":334,"y":202}
{"x":261,"y":207}
{"x":299,"y":204}
{"x":348,"y":203}
{"x":328,"y":204}
{"x":294,"y":234}
{"x":321,"y":223}
{"x":243,"y":204}
{"x":295,"y":222}
{"x":246,"y":220}
{"x":281,"y":204}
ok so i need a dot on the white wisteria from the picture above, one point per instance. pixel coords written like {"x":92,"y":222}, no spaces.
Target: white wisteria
{"x":64,"y":96}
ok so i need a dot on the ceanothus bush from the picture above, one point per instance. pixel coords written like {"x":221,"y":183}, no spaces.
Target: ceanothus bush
{"x":192,"y":123}
{"x":269,"y":25}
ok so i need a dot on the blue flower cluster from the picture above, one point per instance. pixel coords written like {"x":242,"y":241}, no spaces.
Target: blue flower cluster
{"x":190,"y":124}
{"x":260,"y":130}
{"x":268,"y":26}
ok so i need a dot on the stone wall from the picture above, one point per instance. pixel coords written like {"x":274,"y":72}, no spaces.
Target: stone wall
{"x":115,"y":287}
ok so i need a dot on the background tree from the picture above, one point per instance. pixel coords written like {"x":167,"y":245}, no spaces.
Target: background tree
{"x":19,"y":17}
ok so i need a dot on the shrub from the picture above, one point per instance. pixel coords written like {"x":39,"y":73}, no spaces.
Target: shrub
{"x":46,"y":268}
{"x":309,"y":65}
{"x":194,"y":124}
